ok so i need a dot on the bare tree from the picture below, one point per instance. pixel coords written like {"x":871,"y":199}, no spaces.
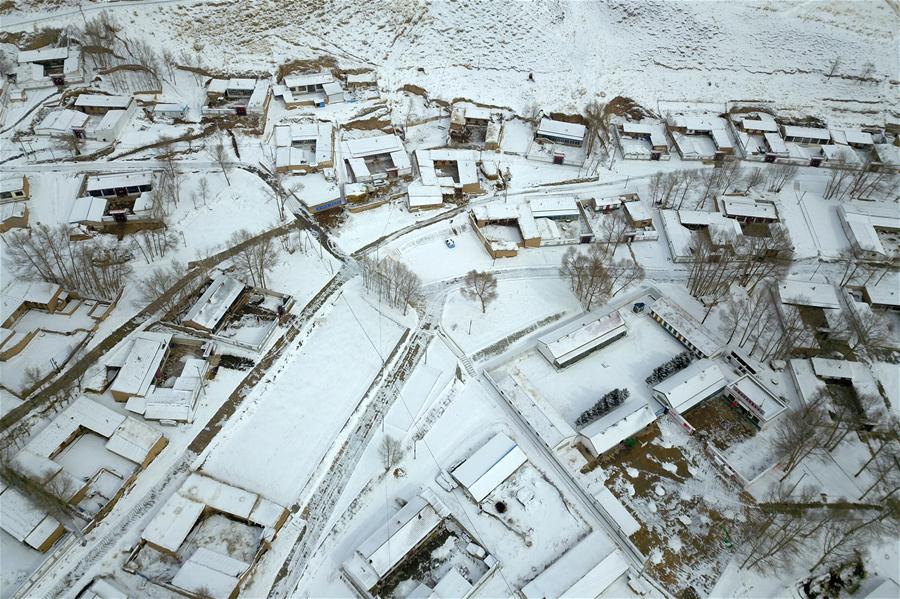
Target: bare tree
{"x":256,"y":256}
{"x":392,"y":281}
{"x":735,"y":312}
{"x":587,"y":274}
{"x":798,"y":434}
{"x":391,"y":452}
{"x":203,"y":190}
{"x":833,"y":66}
{"x":157,"y":285}
{"x":614,"y":226}
{"x":886,"y":472}
{"x":49,"y":254}
{"x":752,"y":178}
{"x":872,"y":331}
{"x":847,"y":533}
{"x":623,"y":273}
{"x":774,"y":537}
{"x":778,"y":175}
{"x":220,"y":156}
{"x":481,"y":286}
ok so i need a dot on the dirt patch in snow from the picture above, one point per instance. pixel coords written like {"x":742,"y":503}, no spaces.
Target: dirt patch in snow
{"x":687,"y":527}
{"x":721,"y":423}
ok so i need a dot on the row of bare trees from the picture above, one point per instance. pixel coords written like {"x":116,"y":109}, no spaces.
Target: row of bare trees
{"x":792,"y":525}
{"x":90,"y":268}
{"x":791,"y":522}
{"x":745,"y":260}
{"x":392,"y":281}
{"x":595,"y":276}
{"x":697,"y":188}
{"x":849,"y":180}
{"x":763,"y":328}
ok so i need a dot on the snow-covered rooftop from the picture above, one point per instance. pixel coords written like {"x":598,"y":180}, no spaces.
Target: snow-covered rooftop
{"x":561,"y":129}
{"x":686,"y":388}
{"x":580,"y":337}
{"x":141,"y":364}
{"x":748,"y":208}
{"x":805,"y":293}
{"x":10,"y":184}
{"x":372,"y":146}
{"x":554,"y":207}
{"x":580,"y":572}
{"x":118,"y":181}
{"x":211,"y":573}
{"x":62,"y":121}
{"x":211,"y":307}
{"x":686,"y":326}
{"x":619,"y":424}
{"x":102,"y":101}
{"x":757,"y":398}
{"x":489,"y":466}
{"x":43,"y":54}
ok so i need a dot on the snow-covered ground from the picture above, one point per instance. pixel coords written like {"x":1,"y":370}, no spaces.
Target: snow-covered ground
{"x":289,"y":434}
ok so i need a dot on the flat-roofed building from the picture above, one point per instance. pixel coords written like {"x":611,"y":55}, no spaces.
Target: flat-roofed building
{"x":685,"y":328}
{"x":574,"y":341}
{"x":489,"y":466}
{"x":689,"y":387}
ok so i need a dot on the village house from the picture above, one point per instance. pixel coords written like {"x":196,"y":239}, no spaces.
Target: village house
{"x":450,"y":172}
{"x":303,"y":148}
{"x":865,"y":223}
{"x":114,"y":199}
{"x":91,"y":455}
{"x":42,"y":327}
{"x":559,"y":142}
{"x":685,"y":328}
{"x":578,"y":339}
{"x":14,"y":189}
{"x":473,"y":124}
{"x":883,"y":293}
{"x":806,"y":145}
{"x":418,"y":196}
{"x":169,"y":110}
{"x":637,"y":214}
{"x":13,"y":215}
{"x":22,"y":518}
{"x":375,"y":159}
{"x":137,"y":369}
{"x":700,"y":137}
{"x":118,"y":185}
{"x":63,"y":123}
{"x":689,"y":387}
{"x":681,"y":227}
{"x":886,"y":157}
{"x":49,"y":66}
{"x":504,"y":228}
{"x":225,"y":303}
{"x":749,"y":208}
{"x":242,"y":97}
{"x":641,"y":140}
{"x":184,"y":542}
{"x":819,"y":307}
{"x":387,"y":547}
{"x":758,"y":136}
{"x":489,"y":466}
{"x":624,"y":421}
{"x":100,"y":104}
{"x":309,"y":89}
{"x":756,"y":400}
{"x":585,"y":570}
